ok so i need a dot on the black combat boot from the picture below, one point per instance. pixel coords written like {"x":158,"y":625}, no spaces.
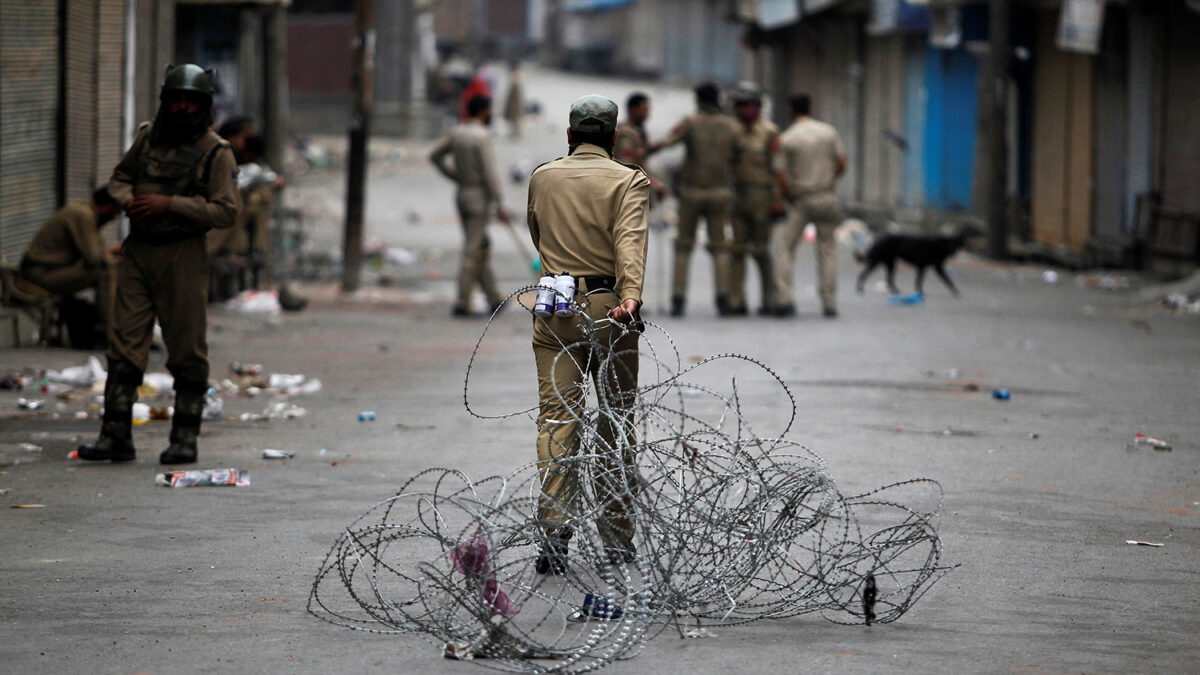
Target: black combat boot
{"x":185,"y":425}
{"x":552,"y":559}
{"x":722,"y":305}
{"x":677,"y":303}
{"x":116,"y":431}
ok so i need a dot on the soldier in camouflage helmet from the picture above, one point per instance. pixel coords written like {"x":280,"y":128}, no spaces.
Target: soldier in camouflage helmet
{"x":176,"y":182}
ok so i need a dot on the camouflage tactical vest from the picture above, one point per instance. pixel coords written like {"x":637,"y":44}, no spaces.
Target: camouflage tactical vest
{"x":180,"y":170}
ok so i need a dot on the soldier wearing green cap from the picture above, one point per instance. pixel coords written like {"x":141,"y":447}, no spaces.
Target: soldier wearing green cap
{"x":176,"y":182}
{"x":588,"y":218}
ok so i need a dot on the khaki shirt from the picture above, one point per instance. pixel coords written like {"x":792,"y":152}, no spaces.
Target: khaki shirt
{"x":630,"y":146}
{"x":811,"y":149}
{"x":216,"y":207}
{"x":588,"y":216}
{"x":469,"y":149}
{"x":70,"y":235}
{"x":758,"y":146}
{"x":710,"y":137}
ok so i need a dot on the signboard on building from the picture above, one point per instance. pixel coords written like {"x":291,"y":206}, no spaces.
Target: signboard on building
{"x":1080,"y":26}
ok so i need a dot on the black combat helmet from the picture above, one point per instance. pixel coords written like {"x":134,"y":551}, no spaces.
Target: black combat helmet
{"x":188,"y":77}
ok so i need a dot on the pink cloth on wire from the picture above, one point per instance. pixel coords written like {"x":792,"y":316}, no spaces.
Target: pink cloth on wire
{"x":471,"y":560}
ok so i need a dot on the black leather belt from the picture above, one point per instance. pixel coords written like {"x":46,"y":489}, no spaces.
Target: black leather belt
{"x":597,"y":283}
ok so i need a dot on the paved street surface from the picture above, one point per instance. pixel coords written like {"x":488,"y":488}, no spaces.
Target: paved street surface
{"x":113,"y":574}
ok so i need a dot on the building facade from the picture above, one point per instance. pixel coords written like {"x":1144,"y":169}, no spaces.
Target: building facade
{"x":1103,"y":151}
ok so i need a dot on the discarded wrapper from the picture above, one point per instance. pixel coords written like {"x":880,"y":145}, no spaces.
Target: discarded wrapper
{"x":1134,"y":542}
{"x":205,"y":477}
{"x":27,"y":506}
{"x":1156,"y":443}
{"x":271,"y":453}
{"x":30,"y":403}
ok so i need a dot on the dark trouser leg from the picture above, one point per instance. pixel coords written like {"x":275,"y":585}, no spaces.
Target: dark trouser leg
{"x":179,"y":295}
{"x":185,"y":425}
{"x":116,"y":431}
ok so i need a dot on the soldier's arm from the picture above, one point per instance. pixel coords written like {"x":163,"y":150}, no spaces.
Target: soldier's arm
{"x":120,"y":185}
{"x":676,"y":136}
{"x":219,"y":207}
{"x":531,"y":217}
{"x":630,"y":238}
{"x":487,"y":163}
{"x":775,"y":149}
{"x":439,"y":155}
{"x":839,"y":155}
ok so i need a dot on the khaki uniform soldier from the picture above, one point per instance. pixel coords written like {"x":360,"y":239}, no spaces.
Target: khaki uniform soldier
{"x":465,"y":157}
{"x":588,"y":217}
{"x":67,"y":256}
{"x":757,"y":199}
{"x":813,"y":159}
{"x":705,"y":191}
{"x":176,"y":181}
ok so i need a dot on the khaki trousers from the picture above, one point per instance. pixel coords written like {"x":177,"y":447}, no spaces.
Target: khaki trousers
{"x":71,"y":279}
{"x":715,"y":205}
{"x":168,"y":282}
{"x":476,"y":268}
{"x":562,"y":364}
{"x":822,"y":212}
{"x":751,"y":236}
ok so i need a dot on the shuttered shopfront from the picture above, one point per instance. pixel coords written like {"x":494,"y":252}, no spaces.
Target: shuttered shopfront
{"x":29,"y":86}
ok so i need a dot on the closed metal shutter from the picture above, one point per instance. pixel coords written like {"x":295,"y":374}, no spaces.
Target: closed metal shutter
{"x":110,"y":91}
{"x":79,"y":99}
{"x":29,"y":64}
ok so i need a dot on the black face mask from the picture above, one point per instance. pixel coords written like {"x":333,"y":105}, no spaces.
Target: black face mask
{"x":175,"y":128}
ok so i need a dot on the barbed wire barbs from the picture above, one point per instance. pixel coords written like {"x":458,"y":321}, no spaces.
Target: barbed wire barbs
{"x":731,"y":527}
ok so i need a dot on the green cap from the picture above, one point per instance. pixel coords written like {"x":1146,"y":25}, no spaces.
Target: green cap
{"x":188,"y":77}
{"x":594,"y":114}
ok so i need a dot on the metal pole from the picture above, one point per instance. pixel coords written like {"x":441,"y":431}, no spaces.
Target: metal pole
{"x":360,"y":129}
{"x":995,"y":108}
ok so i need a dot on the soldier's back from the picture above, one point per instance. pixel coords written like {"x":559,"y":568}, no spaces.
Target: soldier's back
{"x":711,"y":150}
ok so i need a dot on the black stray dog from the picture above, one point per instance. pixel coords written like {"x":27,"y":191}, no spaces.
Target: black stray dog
{"x":921,"y":252}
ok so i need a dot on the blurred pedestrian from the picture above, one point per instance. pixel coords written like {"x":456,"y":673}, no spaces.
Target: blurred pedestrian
{"x":705,"y":191}
{"x":465,"y":156}
{"x":814,"y":160}
{"x":236,"y":130}
{"x":479,"y":86}
{"x":177,"y":181}
{"x":758,"y":199}
{"x":67,"y":256}
{"x":632,"y":142}
{"x":514,"y":102}
{"x":588,"y":216}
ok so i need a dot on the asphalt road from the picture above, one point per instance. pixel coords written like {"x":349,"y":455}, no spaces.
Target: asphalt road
{"x":113,"y":574}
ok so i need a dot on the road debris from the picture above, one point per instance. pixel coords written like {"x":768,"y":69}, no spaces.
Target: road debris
{"x":1001,"y":394}
{"x":1156,"y":443}
{"x":1134,"y":542}
{"x":203,"y":478}
{"x":910,"y":299}
{"x":366,"y":416}
{"x":271,"y":453}
{"x":30,"y":403}
{"x":27,"y":506}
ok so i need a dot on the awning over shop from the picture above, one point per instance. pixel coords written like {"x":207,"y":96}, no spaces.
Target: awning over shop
{"x":594,"y":5}
{"x":775,"y":14}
